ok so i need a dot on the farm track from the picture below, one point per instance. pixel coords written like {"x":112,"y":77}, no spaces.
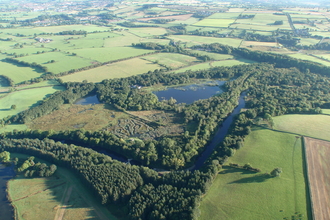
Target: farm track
{"x":60,"y":212}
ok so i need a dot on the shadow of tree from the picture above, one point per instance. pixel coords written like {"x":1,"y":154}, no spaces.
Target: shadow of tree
{"x":259,"y":178}
{"x":229,"y":169}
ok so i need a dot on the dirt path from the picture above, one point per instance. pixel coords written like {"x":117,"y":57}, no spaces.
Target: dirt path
{"x":60,"y":212}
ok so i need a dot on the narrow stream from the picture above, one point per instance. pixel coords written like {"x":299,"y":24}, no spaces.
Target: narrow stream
{"x":6,"y":210}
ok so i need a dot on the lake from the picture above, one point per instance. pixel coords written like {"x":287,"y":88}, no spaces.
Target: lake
{"x":6,"y":210}
{"x":191,"y":93}
{"x":88,"y":100}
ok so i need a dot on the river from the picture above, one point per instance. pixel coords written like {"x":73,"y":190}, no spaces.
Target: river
{"x":6,"y":210}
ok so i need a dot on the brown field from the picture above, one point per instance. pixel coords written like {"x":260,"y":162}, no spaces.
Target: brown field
{"x":71,"y":117}
{"x":318,"y":166}
{"x":176,"y":17}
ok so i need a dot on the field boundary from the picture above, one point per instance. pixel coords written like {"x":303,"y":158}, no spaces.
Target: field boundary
{"x":310,"y":204}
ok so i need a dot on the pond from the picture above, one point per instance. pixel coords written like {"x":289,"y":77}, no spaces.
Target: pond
{"x":88,"y":100}
{"x":189,"y":94}
{"x":6,"y":210}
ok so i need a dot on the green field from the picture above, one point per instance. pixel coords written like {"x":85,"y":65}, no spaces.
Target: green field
{"x":231,"y":62}
{"x":50,"y":198}
{"x":215,"y":56}
{"x":147,"y":32}
{"x":240,"y":194}
{"x":18,"y":73}
{"x":309,"y":41}
{"x":214,"y":22}
{"x":172,"y":60}
{"x":316,"y":126}
{"x":193,"y":40}
{"x":109,"y":54}
{"x":224,"y":16}
{"x":310,"y":58}
{"x":194,"y":67}
{"x":115,"y":70}
{"x":24,"y":99}
{"x":63,"y":62}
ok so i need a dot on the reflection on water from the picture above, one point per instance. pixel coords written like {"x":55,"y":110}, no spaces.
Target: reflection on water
{"x":88,"y":100}
{"x":189,"y":94}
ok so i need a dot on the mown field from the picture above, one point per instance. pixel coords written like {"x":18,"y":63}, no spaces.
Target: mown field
{"x":18,"y":73}
{"x":318,"y":165}
{"x":24,"y":99}
{"x":195,"y":40}
{"x":317,"y":126}
{"x":172,"y":60}
{"x":61,"y":196}
{"x":115,"y":70}
{"x":240,"y":194}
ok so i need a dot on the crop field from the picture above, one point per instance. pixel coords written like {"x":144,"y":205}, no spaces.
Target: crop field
{"x":61,"y":196}
{"x":215,"y":22}
{"x":120,"y":69}
{"x":240,"y":194}
{"x":318,"y":165}
{"x":317,"y":126}
{"x":24,"y":99}
{"x":172,"y":60}
{"x":63,"y":62}
{"x":72,"y":117}
{"x":18,"y":73}
{"x":234,"y":42}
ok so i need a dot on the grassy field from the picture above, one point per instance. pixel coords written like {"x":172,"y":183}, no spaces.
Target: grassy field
{"x":240,"y":194}
{"x":18,"y":73}
{"x":317,"y":156}
{"x":317,"y":126}
{"x":147,"y":32}
{"x":115,"y":70}
{"x":9,"y":128}
{"x":172,"y":60}
{"x":63,"y":62}
{"x":194,"y":67}
{"x":109,"y":54}
{"x":59,"y":197}
{"x":214,"y":22}
{"x":24,"y":99}
{"x":231,"y":62}
{"x":310,"y":58}
{"x":215,"y":56}
{"x":193,"y":40}
{"x":224,"y":16}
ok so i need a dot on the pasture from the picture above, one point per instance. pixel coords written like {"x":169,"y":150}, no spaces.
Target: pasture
{"x":61,"y":196}
{"x":215,"y":56}
{"x":233,"y":15}
{"x":240,"y":194}
{"x":18,"y":73}
{"x":310,"y":58}
{"x":215,"y":22}
{"x":120,"y":69}
{"x":171,"y":60}
{"x":109,"y":54}
{"x":316,"y":126}
{"x":148,"y":32}
{"x":193,"y":40}
{"x":318,"y":165}
{"x":24,"y":99}
{"x":231,"y":62}
{"x":63,"y":61}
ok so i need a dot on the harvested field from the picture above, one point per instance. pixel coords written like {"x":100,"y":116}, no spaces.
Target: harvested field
{"x":318,"y":166}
